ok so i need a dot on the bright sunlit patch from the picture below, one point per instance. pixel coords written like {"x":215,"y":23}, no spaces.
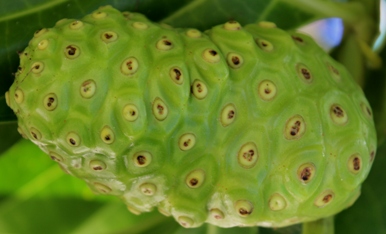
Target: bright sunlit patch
{"x":327,"y":33}
{"x":380,"y":42}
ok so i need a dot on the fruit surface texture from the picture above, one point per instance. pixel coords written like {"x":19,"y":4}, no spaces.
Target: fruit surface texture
{"x":235,"y":126}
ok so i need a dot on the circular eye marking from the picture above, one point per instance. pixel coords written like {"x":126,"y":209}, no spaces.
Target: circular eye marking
{"x":211,"y":56}
{"x":185,"y":221}
{"x":160,"y":110}
{"x":193,"y":33}
{"x":37,"y":67}
{"x":294,"y":128}
{"x":248,"y":155}
{"x":195,"y":178}
{"x":76,"y":24}
{"x":264,"y":45}
{"x":228,"y":115}
{"x":338,"y":114}
{"x":164,"y":44}
{"x":97,"y":165}
{"x":187,"y":141}
{"x":107,"y":135}
{"x":142,"y":159}
{"x":232,"y":25}
{"x":102,"y":188}
{"x":366,"y":110}
{"x":354,"y":164}
{"x":266,"y":24}
{"x":277,"y":202}
{"x":88,"y":89}
{"x":50,"y":101}
{"x":56,"y":157}
{"x":43,"y":44}
{"x":304,"y":73}
{"x":243,"y":208}
{"x":36,"y":134}
{"x":109,"y":36}
{"x":130,"y":112}
{"x":19,"y":96}
{"x":127,"y":15}
{"x":235,"y":60}
{"x":306,"y":172}
{"x":334,"y":72}
{"x":199,"y":89}
{"x":7,"y":101}
{"x":72,"y":51}
{"x":176,"y":75}
{"x":140,"y":25}
{"x":40,"y":32}
{"x":267,"y":90}
{"x":324,"y":198}
{"x":148,"y":189}
{"x":216,"y":214}
{"x":73,"y":139}
{"x":298,"y":40}
{"x":99,"y":15}
{"x":372,"y":155}
{"x":129,"y":66}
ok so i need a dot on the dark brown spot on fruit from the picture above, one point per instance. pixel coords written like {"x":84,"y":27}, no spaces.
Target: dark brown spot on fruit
{"x":71,"y":50}
{"x":235,"y":60}
{"x":295,"y":128}
{"x":193,"y":182}
{"x":327,"y":198}
{"x":213,"y":52}
{"x":72,"y":141}
{"x":306,"y":174}
{"x":356,"y":164}
{"x":141,"y":159}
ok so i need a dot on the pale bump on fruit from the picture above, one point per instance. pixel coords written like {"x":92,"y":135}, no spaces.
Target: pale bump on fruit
{"x":77,"y":24}
{"x":50,"y":102}
{"x":73,"y":139}
{"x":88,"y":89}
{"x":243,"y":208}
{"x":36,"y":134}
{"x":102,"y":188}
{"x":56,"y":157}
{"x":264,"y":45}
{"x":140,"y":25}
{"x":37,"y":67}
{"x":216,"y":214}
{"x":199,"y":89}
{"x":354,"y":163}
{"x":43,"y":44}
{"x":295,"y":128}
{"x":129,"y":66}
{"x":185,"y":221}
{"x":109,"y":36}
{"x":19,"y":96}
{"x":99,"y":15}
{"x":130,"y":112}
{"x":338,"y":114}
{"x":40,"y":32}
{"x":160,"y":110}
{"x":164,"y":44}
{"x":324,"y":198}
{"x":148,"y":189}
{"x":187,"y":141}
{"x":211,"y":56}
{"x":277,"y":202}
{"x":176,"y":75}
{"x":267,"y":24}
{"x":306,"y":172}
{"x":267,"y":90}
{"x":142,"y":159}
{"x":298,"y":40}
{"x":21,"y":132}
{"x":97,"y":165}
{"x":7,"y":101}
{"x":195,"y":178}
{"x":334,"y":72}
{"x":107,"y":135}
{"x":72,"y":52}
{"x":366,"y":110}
{"x":232,"y":25}
{"x":193,"y":33}
{"x":304,"y":73}
{"x":228,"y":114}
{"x":235,"y":60}
{"x":133,"y":210}
{"x":248,"y":155}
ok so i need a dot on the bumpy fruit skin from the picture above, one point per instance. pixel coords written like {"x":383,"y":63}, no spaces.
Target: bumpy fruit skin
{"x":237,"y":126}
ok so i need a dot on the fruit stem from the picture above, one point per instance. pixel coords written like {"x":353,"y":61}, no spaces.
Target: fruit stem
{"x":320,"y":226}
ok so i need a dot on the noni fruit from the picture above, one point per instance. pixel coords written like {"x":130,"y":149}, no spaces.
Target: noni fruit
{"x":235,"y":126}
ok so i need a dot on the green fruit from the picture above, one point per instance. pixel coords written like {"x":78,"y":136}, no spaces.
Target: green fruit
{"x":237,"y":126}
